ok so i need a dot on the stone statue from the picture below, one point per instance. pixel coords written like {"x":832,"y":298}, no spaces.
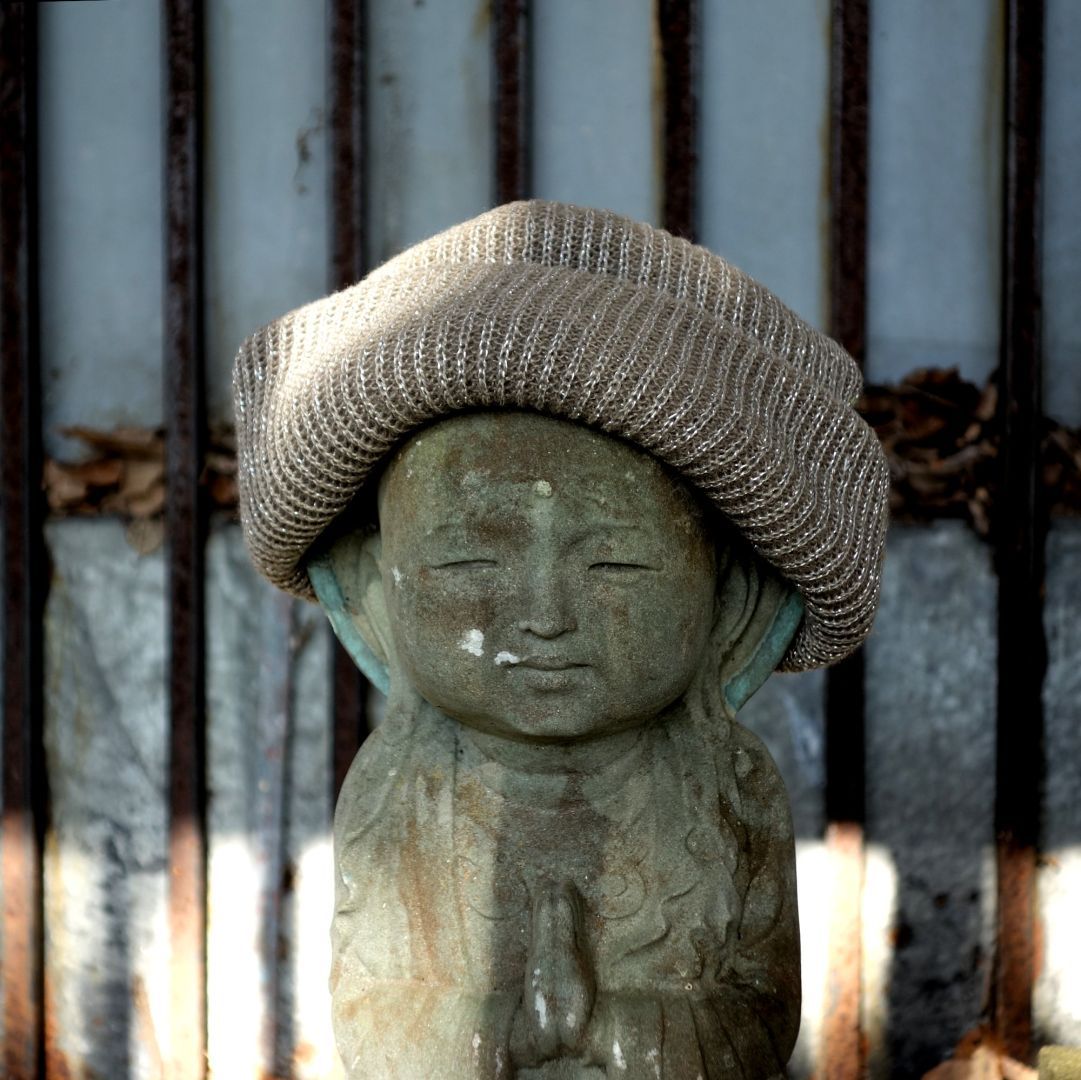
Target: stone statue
{"x":567,"y":560}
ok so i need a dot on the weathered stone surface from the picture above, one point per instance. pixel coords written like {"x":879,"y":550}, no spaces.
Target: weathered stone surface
{"x":1057,"y":1003}
{"x":558,"y":855}
{"x":309,"y":904}
{"x":269,"y":816}
{"x":270,"y":881}
{"x":929,"y":895}
{"x":107,"y":950}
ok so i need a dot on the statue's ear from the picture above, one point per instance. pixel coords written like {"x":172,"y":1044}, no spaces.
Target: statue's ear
{"x":759,"y":613}
{"x":348,"y":581}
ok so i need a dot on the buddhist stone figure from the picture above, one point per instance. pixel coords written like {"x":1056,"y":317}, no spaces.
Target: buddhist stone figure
{"x":568,"y":489}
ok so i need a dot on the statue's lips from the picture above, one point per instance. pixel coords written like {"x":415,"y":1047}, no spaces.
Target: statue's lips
{"x":548,"y":663}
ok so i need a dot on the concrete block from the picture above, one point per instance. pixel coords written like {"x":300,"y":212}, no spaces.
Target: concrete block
{"x":1057,"y":1004}
{"x":270,"y":867}
{"x":106,"y":940}
{"x":930,"y":797}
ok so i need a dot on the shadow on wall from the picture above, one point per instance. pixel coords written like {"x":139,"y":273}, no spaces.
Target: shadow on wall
{"x":270,"y":864}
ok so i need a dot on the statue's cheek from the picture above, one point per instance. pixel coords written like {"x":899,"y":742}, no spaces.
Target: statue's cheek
{"x":439,"y":615}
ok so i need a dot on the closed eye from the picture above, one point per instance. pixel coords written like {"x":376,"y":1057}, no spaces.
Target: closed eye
{"x":466,"y":564}
{"x":620,"y":567}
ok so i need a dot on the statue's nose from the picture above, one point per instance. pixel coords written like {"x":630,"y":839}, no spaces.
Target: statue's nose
{"x":548,"y":607}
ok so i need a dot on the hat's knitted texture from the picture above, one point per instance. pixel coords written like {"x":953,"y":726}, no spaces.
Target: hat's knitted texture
{"x":585,"y":316}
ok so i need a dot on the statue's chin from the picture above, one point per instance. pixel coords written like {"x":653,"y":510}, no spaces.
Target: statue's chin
{"x":563,"y":1069}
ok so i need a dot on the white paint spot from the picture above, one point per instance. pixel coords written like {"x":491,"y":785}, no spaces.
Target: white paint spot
{"x":541,"y":1007}
{"x":543,"y":489}
{"x":653,"y":1057}
{"x":397,"y":575}
{"x":473,"y":642}
{"x":571,"y":1020}
{"x":502,"y":658}
{"x":618,"y":1059}
{"x":476,"y":1048}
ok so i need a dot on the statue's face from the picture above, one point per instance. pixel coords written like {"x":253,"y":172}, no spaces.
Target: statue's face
{"x":543,"y":581}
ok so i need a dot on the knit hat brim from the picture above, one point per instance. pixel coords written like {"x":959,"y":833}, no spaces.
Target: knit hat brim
{"x":325,"y":393}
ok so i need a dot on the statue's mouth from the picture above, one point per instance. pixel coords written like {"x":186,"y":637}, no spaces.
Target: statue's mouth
{"x":549,"y":663}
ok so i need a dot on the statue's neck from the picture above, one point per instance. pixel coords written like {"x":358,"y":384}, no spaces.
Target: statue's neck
{"x":587,"y":756}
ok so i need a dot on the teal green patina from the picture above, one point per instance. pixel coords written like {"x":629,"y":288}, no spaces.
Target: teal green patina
{"x":560,"y":855}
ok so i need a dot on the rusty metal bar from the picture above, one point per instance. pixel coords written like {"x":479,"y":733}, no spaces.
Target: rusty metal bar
{"x":849,"y":73}
{"x":186,"y":522}
{"x":347,"y":22}
{"x":349,"y":693}
{"x":842,"y":1053}
{"x":271,"y":742}
{"x":1020,"y":534}
{"x":677,"y":25}
{"x":510,"y":48}
{"x":25,"y":797}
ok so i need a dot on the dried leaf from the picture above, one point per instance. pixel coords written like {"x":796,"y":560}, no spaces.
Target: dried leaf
{"x":148,"y":504}
{"x":940,"y":434}
{"x":122,"y":442}
{"x":980,"y":1055}
{"x":140,"y":477}
{"x":223,"y":491}
{"x":145,"y":536}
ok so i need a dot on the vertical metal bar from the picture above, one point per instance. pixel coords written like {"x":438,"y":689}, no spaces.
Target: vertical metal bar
{"x":1020,"y":535}
{"x":349,"y":693}
{"x":347,"y":22}
{"x":21,"y":519}
{"x":182,"y":29}
{"x":270,"y":743}
{"x":842,"y":1050}
{"x":842,"y":1042}
{"x":510,"y":49}
{"x":849,"y":73}
{"x":677,"y":24}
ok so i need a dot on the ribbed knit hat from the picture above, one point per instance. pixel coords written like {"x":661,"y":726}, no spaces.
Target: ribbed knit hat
{"x":586,"y":316}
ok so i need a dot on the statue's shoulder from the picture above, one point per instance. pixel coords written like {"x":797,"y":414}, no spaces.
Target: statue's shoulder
{"x":745,"y":771}
{"x":751,"y":758}
{"x":763,"y":795}
{"x":386,"y":770}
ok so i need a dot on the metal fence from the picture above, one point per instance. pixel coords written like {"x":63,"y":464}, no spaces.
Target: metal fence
{"x":900,"y":963}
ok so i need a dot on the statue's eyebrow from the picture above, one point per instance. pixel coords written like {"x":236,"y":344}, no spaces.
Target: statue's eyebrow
{"x":456,"y":524}
{"x":595,"y":527}
{"x":462,"y":527}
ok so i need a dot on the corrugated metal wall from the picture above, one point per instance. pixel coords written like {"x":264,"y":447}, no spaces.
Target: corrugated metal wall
{"x":174,"y":174}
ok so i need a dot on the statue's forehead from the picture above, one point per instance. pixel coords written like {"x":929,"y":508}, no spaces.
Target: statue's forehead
{"x":483,"y":461}
{"x":474,"y":449}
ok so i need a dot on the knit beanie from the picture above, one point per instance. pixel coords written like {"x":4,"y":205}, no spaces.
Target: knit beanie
{"x":586,"y":316}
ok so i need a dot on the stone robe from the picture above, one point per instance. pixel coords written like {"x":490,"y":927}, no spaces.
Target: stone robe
{"x":687,"y":913}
